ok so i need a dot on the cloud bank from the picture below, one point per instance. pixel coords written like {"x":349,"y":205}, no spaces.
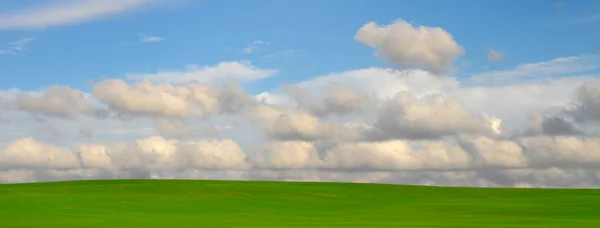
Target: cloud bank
{"x":410,"y":126}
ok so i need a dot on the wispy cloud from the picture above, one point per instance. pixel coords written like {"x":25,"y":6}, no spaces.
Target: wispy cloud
{"x":58,"y":13}
{"x":241,"y":71}
{"x":254,"y":46}
{"x":284,"y":54}
{"x":16,"y":47}
{"x":144,"y":38}
{"x":553,"y":68}
{"x":148,"y":39}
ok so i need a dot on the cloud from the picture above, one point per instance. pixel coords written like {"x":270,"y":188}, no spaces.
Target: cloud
{"x":553,"y":68}
{"x":173,"y":128}
{"x":66,"y":13}
{"x":150,"y":39}
{"x":146,"y":99}
{"x":236,"y":70}
{"x":363,"y":125}
{"x":29,"y":153}
{"x":154,"y":153}
{"x":285,"y":55}
{"x":339,"y":100}
{"x":56,"y":101}
{"x":290,"y":125}
{"x":255,"y":46}
{"x":433,"y":116}
{"x":495,"y":56}
{"x":86,"y":133}
{"x":586,"y":104}
{"x":430,"y":48}
{"x":16,"y":47}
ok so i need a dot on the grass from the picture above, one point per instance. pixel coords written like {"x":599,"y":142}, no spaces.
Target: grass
{"x":179,"y":203}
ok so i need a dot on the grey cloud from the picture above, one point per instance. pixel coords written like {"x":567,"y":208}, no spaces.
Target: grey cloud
{"x":552,"y":125}
{"x":211,"y":132}
{"x":86,"y":133}
{"x":173,"y":128}
{"x":339,"y":100}
{"x":433,"y":116}
{"x":56,"y":101}
{"x":587,"y":103}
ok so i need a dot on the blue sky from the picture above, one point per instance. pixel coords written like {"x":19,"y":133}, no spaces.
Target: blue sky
{"x":208,"y":32}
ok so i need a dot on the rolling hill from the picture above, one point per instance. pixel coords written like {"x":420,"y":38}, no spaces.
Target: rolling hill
{"x":187,"y":203}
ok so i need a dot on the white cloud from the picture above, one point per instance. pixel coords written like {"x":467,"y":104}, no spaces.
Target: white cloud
{"x":16,"y":47}
{"x":222,"y":72}
{"x":147,"y":99}
{"x":154,"y":153}
{"x":29,"y":153}
{"x":150,"y":39}
{"x":430,"y":48}
{"x":66,"y":12}
{"x":255,"y":46}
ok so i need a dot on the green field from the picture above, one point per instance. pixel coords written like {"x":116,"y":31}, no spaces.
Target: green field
{"x":178,"y":203}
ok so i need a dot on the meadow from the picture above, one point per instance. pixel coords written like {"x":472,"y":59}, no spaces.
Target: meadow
{"x":188,"y":203}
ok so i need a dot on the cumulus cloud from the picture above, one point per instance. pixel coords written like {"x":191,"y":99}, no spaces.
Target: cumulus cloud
{"x":290,"y":125}
{"x":29,"y":153}
{"x":433,"y":116}
{"x":66,"y":13}
{"x":146,"y":98}
{"x":154,"y":153}
{"x":429,"y":48}
{"x":339,"y":100}
{"x":364,"y":125}
{"x":56,"y":101}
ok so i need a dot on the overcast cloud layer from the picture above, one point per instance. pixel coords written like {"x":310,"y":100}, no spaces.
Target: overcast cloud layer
{"x":411,"y":125}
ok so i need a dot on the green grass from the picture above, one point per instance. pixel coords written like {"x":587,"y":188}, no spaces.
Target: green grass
{"x":177,"y":203}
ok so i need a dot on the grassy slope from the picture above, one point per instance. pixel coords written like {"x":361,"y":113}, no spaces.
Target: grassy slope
{"x":173,"y":203}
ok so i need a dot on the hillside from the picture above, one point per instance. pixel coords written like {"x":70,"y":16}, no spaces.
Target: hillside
{"x":179,"y":203}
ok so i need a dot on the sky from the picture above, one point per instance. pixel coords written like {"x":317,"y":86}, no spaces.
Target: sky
{"x":468,"y":93}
